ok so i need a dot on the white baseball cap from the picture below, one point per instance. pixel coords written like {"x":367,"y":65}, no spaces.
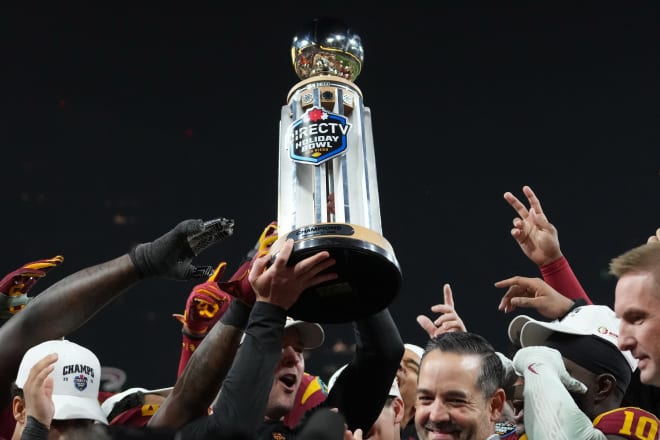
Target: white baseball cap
{"x":76,"y":379}
{"x":586,"y":320}
{"x":109,"y":404}
{"x":311,"y":333}
{"x":394,"y":389}
{"x":419,"y":351}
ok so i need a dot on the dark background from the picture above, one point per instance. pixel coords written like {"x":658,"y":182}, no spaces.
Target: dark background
{"x":118,"y":123}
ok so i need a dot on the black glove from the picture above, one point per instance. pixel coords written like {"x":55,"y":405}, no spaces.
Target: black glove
{"x":170,"y":256}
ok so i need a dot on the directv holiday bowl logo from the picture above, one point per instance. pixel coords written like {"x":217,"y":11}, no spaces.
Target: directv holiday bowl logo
{"x":80,"y":382}
{"x":317,"y":136}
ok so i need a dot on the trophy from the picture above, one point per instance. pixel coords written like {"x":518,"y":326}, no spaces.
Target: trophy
{"x":328,"y":189}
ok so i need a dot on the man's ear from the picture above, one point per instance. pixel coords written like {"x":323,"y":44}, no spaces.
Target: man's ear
{"x":497,"y":401}
{"x":606,"y":385}
{"x":18,"y":408}
{"x":398,"y":408}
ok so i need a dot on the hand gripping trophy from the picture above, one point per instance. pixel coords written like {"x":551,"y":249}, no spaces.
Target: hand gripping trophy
{"x":328,"y":190}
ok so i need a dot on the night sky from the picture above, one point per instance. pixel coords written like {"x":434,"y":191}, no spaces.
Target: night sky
{"x":119,"y":123}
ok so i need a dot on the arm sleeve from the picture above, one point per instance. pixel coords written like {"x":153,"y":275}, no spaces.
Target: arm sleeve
{"x":34,"y":430}
{"x":362,"y":388}
{"x":241,"y":404}
{"x":560,"y":277}
{"x":236,"y":315}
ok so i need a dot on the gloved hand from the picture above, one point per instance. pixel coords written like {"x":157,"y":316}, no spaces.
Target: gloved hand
{"x":238,"y":285}
{"x":170,"y":256}
{"x":205,"y":305}
{"x":545,"y":360}
{"x":551,"y":412}
{"x":16,"y":285}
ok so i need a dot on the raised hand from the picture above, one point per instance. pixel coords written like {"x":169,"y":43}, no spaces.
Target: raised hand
{"x":212,"y":231}
{"x":205,"y":305}
{"x":282,"y":284}
{"x":16,"y":285}
{"x":654,"y":238}
{"x":171,"y":255}
{"x":448,"y":321}
{"x":539,"y":359}
{"x":536,"y":236}
{"x":238,"y":285}
{"x":38,"y":390}
{"x":533,"y":293}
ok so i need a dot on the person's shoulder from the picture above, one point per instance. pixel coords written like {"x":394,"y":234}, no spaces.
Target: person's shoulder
{"x":628,"y":422}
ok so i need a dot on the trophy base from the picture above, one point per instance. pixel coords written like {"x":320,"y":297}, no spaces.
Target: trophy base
{"x":369,"y":277}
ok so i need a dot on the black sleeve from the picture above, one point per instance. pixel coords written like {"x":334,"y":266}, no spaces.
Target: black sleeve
{"x":241,"y":404}
{"x":34,"y":430}
{"x":362,"y":388}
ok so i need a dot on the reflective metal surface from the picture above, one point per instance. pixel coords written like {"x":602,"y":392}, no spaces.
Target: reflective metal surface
{"x":327,"y":47}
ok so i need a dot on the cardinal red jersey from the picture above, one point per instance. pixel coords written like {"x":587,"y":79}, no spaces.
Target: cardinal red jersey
{"x":629,"y":422}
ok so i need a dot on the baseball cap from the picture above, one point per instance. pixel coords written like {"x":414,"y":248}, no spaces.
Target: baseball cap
{"x":311,"y":333}
{"x":596,"y":320}
{"x":419,"y":351}
{"x":108,"y":404}
{"x":76,"y":379}
{"x":394,"y":389}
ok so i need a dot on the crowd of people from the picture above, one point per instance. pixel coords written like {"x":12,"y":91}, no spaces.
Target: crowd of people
{"x":586,"y":371}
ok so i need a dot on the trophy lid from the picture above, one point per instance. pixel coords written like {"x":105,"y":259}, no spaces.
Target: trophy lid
{"x":327,"y":47}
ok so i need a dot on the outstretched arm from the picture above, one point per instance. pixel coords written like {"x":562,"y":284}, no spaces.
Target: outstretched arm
{"x":533,"y":293}
{"x":550,"y":410}
{"x":362,"y":388}
{"x":536,"y":236}
{"x":539,"y":241}
{"x":209,"y":301}
{"x":71,"y":302}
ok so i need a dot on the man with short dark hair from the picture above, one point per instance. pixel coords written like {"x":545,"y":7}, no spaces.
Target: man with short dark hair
{"x":459,"y":393}
{"x":75,"y":375}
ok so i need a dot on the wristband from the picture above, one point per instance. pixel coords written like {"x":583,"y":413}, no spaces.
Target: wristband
{"x":576,"y":303}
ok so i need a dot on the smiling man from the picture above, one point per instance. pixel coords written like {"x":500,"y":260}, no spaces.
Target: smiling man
{"x":459,"y":393}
